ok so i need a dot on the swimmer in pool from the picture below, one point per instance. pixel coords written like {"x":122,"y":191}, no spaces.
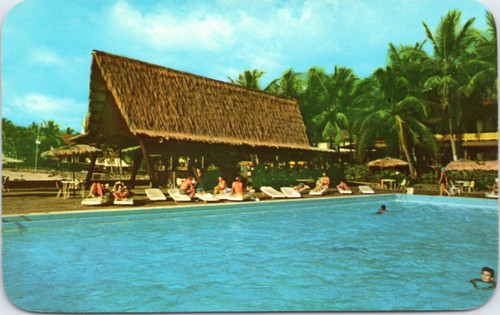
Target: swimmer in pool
{"x":487,"y":276}
{"x":382,"y":210}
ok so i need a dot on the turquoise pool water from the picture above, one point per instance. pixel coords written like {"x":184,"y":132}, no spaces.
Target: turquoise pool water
{"x":307,"y":255}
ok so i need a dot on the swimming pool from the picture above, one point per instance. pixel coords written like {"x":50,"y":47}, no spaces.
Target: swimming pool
{"x":331,"y":254}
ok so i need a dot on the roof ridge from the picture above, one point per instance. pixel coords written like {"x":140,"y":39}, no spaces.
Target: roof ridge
{"x":189,"y":74}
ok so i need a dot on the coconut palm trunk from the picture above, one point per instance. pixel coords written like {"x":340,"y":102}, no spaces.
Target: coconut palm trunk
{"x":406,"y":151}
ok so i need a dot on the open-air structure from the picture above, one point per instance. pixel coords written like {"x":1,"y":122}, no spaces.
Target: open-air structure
{"x":170,"y":113}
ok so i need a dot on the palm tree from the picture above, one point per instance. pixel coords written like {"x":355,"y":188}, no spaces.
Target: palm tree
{"x":395,"y":116}
{"x":336,"y":97}
{"x":289,"y":85}
{"x":69,"y":131}
{"x":484,"y":63}
{"x":451,"y":43}
{"x":50,"y":129}
{"x":249,"y":79}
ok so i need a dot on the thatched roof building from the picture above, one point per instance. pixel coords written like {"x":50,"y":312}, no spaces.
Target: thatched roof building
{"x":158,"y":102}
{"x":132,"y":102}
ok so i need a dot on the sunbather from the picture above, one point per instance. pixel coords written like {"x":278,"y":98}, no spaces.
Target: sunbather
{"x":220,"y":187}
{"x":237,"y":187}
{"x":323,"y":183}
{"x":123,"y":193}
{"x":98,"y":190}
{"x":343,"y":186}
{"x":187,"y":187}
{"x":301,"y":187}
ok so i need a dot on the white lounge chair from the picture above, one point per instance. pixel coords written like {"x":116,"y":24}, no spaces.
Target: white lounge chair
{"x":271,"y":192}
{"x":155,"y":194}
{"x":207,"y":197}
{"x":229,"y":197}
{"x":491,"y":194}
{"x":344,"y":191}
{"x":124,"y":202}
{"x":365,"y":189}
{"x":178,"y":197}
{"x":93,"y":201}
{"x":318,"y":192}
{"x":290,"y":192}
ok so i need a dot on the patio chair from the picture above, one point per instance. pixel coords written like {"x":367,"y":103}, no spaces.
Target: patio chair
{"x":94,"y":201}
{"x":59,"y":188}
{"x":124,"y":202}
{"x":471,"y":186}
{"x":271,"y":192}
{"x":365,"y":189}
{"x":318,"y":191}
{"x":344,"y":191}
{"x":155,"y":194}
{"x":289,"y":192}
{"x":177,"y":196}
{"x":206,"y":197}
{"x":402,"y":185}
{"x":454,"y":189}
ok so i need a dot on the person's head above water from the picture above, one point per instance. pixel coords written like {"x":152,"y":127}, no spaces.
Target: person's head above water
{"x":487,"y":274}
{"x":382,"y":207}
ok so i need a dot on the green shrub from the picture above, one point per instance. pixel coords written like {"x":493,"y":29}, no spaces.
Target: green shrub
{"x":428,"y":178}
{"x":277,"y":177}
{"x":360,"y":173}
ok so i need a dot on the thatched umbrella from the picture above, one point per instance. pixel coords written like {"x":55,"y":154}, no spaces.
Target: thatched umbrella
{"x":388,"y":162}
{"x":490,"y":166}
{"x":463,"y":165}
{"x":70,"y":150}
{"x":8,"y":160}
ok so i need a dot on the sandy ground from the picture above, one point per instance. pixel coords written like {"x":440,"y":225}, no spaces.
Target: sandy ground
{"x":16,"y":175}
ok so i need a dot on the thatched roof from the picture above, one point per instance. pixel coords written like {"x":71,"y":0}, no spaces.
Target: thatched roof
{"x":9,"y":160}
{"x":71,"y":150}
{"x":388,"y":162}
{"x":463,"y":165}
{"x":469,"y":165}
{"x":490,"y":166}
{"x":160,"y":102}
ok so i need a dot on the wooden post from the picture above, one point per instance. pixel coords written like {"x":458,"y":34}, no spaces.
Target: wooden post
{"x":90,"y":171}
{"x":149,"y":167}
{"x":135,"y":168}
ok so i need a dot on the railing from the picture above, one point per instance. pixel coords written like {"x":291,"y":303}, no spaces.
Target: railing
{"x":482,"y":136}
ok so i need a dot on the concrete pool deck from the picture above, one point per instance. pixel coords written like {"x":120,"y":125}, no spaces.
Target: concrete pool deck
{"x":41,"y":201}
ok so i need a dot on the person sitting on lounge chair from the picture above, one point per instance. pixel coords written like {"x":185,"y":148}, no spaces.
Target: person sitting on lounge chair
{"x":123,"y":193}
{"x":187,"y":187}
{"x":323,"y":183}
{"x":220,"y":187}
{"x":343,"y":186}
{"x":98,"y":190}
{"x":237,"y":187}
{"x":301,"y":187}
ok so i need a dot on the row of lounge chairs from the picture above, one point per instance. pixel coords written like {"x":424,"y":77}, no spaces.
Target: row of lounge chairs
{"x":289,"y":192}
{"x":155,"y":194}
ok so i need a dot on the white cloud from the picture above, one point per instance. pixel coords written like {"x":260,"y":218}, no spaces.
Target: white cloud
{"x":46,"y":57}
{"x":37,"y":107}
{"x":166,"y":29}
{"x":41,"y":103}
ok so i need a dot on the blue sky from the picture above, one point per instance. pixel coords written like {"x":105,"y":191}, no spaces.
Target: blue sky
{"x":47,"y":44}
